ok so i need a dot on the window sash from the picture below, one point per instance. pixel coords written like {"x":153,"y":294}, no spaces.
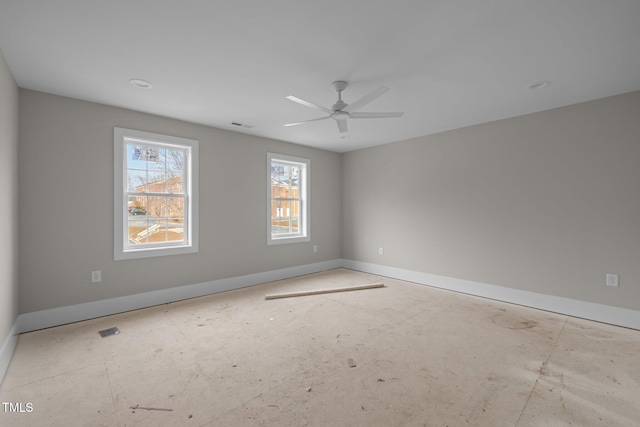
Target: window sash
{"x":297,"y":206}
{"x":163,"y":171}
{"x":167,"y":218}
{"x":176,"y":204}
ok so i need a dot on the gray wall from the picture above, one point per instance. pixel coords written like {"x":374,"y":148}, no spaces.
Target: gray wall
{"x":9,"y":191}
{"x":547,"y":202}
{"x":66,"y":205}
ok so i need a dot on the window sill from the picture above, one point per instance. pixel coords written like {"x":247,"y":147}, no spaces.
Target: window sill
{"x":285,"y":240}
{"x":155,"y":252}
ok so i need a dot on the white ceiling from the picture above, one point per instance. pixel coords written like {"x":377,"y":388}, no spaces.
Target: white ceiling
{"x":448,"y":63}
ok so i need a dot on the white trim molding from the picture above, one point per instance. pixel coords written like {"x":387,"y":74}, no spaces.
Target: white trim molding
{"x":9,"y":346}
{"x":586,"y":310}
{"x":74,"y":313}
{"x":27,"y":322}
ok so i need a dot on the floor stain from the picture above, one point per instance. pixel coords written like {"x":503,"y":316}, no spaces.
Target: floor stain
{"x":527,"y":324}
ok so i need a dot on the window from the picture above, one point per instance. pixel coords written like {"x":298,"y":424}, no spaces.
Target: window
{"x":288,"y":200}
{"x":155,"y":194}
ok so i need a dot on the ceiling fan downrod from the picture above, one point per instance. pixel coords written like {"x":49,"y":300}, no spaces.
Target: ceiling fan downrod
{"x":340,"y":85}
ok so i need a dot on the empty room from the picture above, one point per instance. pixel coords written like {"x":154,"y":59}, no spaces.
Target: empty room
{"x":293,"y":213}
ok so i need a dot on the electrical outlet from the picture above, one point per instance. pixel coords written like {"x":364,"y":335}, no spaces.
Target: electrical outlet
{"x":612,"y":280}
{"x":315,"y":249}
{"x":380,"y":251}
{"x":96,"y":276}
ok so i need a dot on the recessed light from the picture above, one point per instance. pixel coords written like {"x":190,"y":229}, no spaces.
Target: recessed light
{"x":345,"y":137}
{"x":540,"y":85}
{"x":142,"y":84}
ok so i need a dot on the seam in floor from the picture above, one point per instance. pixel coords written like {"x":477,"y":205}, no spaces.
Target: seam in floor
{"x":541,"y":371}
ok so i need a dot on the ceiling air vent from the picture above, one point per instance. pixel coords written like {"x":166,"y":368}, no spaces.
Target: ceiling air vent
{"x":242,"y":125}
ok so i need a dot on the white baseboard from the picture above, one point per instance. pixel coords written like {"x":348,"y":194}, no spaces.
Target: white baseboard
{"x":6,"y":352}
{"x":74,"y":313}
{"x":571,"y":307}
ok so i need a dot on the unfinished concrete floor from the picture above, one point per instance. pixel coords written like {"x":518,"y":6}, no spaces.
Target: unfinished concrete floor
{"x":423,"y":357}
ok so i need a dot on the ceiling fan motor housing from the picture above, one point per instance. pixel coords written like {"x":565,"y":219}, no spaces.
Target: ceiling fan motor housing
{"x":339,"y":105}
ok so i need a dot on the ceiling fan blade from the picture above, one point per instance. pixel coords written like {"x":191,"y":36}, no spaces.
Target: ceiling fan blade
{"x":309,"y":104}
{"x":307,"y":121}
{"x":373,"y":115}
{"x":342,"y":125}
{"x":365,"y":99}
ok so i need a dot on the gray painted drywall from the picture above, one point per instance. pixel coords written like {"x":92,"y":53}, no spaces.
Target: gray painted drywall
{"x":9,"y":190}
{"x":66,"y":205}
{"x":547,"y":202}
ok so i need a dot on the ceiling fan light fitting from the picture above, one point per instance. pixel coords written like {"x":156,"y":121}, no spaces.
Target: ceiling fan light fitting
{"x":341,"y":115}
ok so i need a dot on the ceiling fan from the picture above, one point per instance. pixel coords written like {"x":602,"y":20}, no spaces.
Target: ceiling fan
{"x":341,"y":111}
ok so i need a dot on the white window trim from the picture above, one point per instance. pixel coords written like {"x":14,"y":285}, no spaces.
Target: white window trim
{"x":119,"y":196}
{"x":304,"y":225}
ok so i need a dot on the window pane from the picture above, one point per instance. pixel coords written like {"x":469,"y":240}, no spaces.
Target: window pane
{"x":175,"y":161}
{"x":295,"y":211}
{"x":131,"y":203}
{"x":157,"y":182}
{"x":154,"y":230}
{"x":152,"y":168}
{"x":285,"y":180}
{"x":175,"y":229}
{"x":160,"y":160}
{"x":175,"y":206}
{"x":284,"y":217}
{"x":280,"y":191}
{"x":157,"y":231}
{"x":139,"y":229}
{"x":174,"y":184}
{"x":155,"y":219}
{"x":137,"y":205}
{"x":136,"y":156}
{"x":157,"y":207}
{"x":136,"y":181}
{"x":175,"y":171}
